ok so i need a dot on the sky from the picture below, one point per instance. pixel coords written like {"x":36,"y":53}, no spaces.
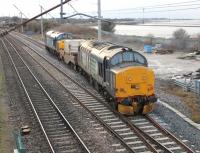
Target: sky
{"x":31,"y":8}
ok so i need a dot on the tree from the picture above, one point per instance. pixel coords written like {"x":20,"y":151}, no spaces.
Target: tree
{"x":33,"y":26}
{"x":108,"y":26}
{"x":49,"y":24}
{"x":181,"y":38}
{"x":15,"y":19}
{"x":198,"y":41}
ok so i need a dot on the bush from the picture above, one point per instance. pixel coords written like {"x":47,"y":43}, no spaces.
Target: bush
{"x":180,"y":39}
{"x":49,"y":24}
{"x":15,"y":19}
{"x":78,"y":31}
{"x":35,"y":26}
{"x":198,"y":42}
{"x":108,"y":26}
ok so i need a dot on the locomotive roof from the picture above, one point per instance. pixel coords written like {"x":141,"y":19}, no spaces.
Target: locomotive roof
{"x":104,"y":49}
{"x":119,"y":69}
{"x":54,"y":34}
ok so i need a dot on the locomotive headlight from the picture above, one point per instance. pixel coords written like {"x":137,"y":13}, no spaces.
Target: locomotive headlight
{"x":150,"y":87}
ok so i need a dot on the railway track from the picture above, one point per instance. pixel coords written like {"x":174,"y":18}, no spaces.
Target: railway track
{"x":60,"y":135}
{"x":158,"y":133}
{"x":137,"y":134}
{"x":162,"y":139}
{"x":119,"y":147}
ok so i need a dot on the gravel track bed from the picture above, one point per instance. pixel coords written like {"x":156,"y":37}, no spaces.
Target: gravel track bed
{"x":179,"y":127}
{"x":97,"y":138}
{"x":170,"y":121}
{"x":172,"y":100}
{"x":49,"y":69}
{"x":87,"y":127}
{"x":20,"y":112}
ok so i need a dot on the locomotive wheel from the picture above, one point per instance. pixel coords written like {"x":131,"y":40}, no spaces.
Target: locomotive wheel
{"x":79,"y":69}
{"x":91,"y":80}
{"x":114,"y":105}
{"x":75,"y":67}
{"x":96,"y":85}
{"x":60,"y":58}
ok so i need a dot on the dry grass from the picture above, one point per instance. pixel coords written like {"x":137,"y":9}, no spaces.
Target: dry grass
{"x":6,"y":142}
{"x":1,"y":84}
{"x":3,"y":118}
{"x":189,"y":99}
{"x":37,"y":37}
{"x":78,"y":31}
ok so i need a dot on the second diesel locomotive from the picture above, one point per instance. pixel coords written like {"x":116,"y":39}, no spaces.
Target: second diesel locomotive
{"x":121,"y":73}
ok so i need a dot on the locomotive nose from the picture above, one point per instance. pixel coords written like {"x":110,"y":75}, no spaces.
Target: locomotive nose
{"x":134,"y":81}
{"x":134,"y":89}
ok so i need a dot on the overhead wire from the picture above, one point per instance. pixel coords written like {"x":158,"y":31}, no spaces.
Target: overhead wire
{"x":75,"y":10}
{"x":47,"y":13}
{"x":183,"y":9}
{"x":186,"y":5}
{"x":157,"y":6}
{"x":182,"y":6}
{"x":162,"y":10}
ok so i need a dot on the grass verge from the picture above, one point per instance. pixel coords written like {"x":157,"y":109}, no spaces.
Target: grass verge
{"x":5,"y":145}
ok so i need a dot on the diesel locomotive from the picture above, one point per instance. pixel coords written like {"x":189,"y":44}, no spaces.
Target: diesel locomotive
{"x":121,"y":73}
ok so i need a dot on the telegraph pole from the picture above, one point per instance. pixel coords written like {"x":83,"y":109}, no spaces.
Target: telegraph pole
{"x":143,"y":15}
{"x":21,"y":16}
{"x":169,"y":16}
{"x":22,"y":28}
{"x":99,"y":21}
{"x":61,"y":11}
{"x":42,"y":31}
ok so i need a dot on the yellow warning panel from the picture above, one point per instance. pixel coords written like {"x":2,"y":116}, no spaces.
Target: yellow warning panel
{"x":128,"y":110}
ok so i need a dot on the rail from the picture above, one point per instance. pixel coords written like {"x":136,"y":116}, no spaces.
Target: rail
{"x":145,"y":137}
{"x":166,"y":132}
{"x":84,"y":147}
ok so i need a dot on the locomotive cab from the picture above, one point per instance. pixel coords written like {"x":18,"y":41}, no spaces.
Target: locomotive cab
{"x":131,"y":83}
{"x":133,"y":89}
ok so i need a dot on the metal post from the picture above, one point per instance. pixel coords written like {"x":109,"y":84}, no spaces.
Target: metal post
{"x":99,"y":21}
{"x":61,"y":11}
{"x":22,"y":28}
{"x":143,"y":14}
{"x":21,"y":14}
{"x":169,"y":16}
{"x":42,"y":32}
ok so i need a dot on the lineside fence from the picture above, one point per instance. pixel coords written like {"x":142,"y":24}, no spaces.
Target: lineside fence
{"x":188,"y":85}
